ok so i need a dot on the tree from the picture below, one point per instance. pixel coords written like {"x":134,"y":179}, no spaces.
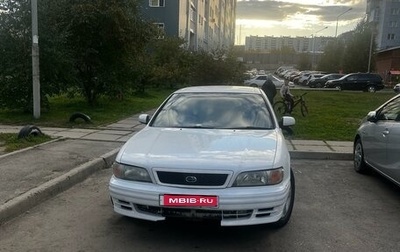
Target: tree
{"x":89,"y":45}
{"x":219,"y":66}
{"x":15,"y":60}
{"x":332,"y":59}
{"x":171,"y":62}
{"x":356,"y":55}
{"x":104,"y":39}
{"x":304,"y":62}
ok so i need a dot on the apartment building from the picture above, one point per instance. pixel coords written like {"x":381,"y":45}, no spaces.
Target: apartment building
{"x":385,"y":17}
{"x":298,"y":44}
{"x":203,"y":24}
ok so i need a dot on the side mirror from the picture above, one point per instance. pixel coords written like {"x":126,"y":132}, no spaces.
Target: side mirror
{"x":287,"y":121}
{"x":144,"y":118}
{"x":371,"y":116}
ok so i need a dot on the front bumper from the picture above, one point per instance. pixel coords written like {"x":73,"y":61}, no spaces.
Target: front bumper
{"x":237,"y":206}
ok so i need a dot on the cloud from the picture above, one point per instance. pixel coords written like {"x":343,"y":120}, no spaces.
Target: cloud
{"x":296,"y":17}
{"x":326,"y":11}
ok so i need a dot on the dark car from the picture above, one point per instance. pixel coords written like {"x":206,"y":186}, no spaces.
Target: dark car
{"x":357,"y":81}
{"x":320,"y":82}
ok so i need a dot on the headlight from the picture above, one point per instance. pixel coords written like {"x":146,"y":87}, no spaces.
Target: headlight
{"x":130,"y":172}
{"x":259,"y":178}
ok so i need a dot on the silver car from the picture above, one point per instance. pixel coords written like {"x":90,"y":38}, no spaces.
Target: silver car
{"x":211,"y":152}
{"x":377,"y":142}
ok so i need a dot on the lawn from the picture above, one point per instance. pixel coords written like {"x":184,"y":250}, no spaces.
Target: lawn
{"x":332,"y":115}
{"x":10,"y":142}
{"x":106,"y":112}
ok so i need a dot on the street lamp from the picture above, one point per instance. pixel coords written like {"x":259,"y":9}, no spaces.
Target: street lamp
{"x":313,"y":35}
{"x":337,"y":19}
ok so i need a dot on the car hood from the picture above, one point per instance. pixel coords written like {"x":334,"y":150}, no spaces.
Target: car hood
{"x":202,"y":148}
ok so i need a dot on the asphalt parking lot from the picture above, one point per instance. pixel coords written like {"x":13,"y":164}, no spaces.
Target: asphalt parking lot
{"x":336,"y":209}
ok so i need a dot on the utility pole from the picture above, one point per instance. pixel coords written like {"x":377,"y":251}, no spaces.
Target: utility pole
{"x":337,"y":19}
{"x":313,"y":47}
{"x":35,"y":61}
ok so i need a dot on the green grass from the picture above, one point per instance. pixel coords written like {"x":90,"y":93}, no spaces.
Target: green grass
{"x":334,"y":115}
{"x":9,"y":142}
{"x":108,"y":111}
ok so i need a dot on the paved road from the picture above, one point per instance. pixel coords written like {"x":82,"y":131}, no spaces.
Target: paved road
{"x":335,"y":210}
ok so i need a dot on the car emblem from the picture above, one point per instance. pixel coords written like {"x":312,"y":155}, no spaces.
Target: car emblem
{"x":191,"y":179}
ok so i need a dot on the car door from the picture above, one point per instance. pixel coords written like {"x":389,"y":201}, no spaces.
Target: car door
{"x":392,"y":166}
{"x":387,"y":140}
{"x":350,"y":83}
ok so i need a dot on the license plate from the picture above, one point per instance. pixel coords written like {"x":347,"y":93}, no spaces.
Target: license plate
{"x":188,"y":200}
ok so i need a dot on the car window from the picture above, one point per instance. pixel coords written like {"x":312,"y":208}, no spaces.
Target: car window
{"x":221,"y":111}
{"x":352,"y":78}
{"x":262,"y":78}
{"x":391,"y":111}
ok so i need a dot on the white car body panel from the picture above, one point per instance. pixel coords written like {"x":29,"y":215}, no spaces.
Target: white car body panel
{"x":205,"y":151}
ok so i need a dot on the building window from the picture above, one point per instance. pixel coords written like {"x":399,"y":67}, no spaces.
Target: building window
{"x":391,"y":36}
{"x":393,"y":24}
{"x":157,"y":3}
{"x":395,"y":11}
{"x":161,"y":30}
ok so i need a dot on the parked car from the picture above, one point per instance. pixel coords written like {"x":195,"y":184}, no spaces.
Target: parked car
{"x":320,"y":82}
{"x":377,"y":141}
{"x":256,"y":81}
{"x":313,"y":77}
{"x":211,"y":152}
{"x":370,"y":82}
{"x":302,"y":79}
{"x":396,"y":88}
{"x":259,"y":80}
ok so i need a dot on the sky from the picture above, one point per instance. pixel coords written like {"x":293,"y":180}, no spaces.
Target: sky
{"x":295,"y":18}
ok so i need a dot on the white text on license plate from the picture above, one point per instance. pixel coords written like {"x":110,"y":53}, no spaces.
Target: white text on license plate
{"x":188,"y":200}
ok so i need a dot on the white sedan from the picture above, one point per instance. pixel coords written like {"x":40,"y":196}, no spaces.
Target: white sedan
{"x":259,"y":80}
{"x":211,"y":152}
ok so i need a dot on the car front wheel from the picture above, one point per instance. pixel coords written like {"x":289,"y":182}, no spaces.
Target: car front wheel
{"x":371,"y":89}
{"x":287,"y":209}
{"x":359,"y":162}
{"x":338,"y":87}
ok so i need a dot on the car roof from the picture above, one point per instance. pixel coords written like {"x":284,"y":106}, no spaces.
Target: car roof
{"x":219,"y":89}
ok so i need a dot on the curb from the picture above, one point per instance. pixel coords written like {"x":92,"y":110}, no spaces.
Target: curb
{"x":35,"y":196}
{"x":321,"y":155}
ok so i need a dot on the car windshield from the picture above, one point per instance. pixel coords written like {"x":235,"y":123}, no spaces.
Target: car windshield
{"x":214,"y":110}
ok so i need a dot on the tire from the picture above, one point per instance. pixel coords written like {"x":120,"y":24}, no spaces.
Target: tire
{"x":253,"y":85}
{"x":371,"y":89}
{"x":29,"y":130}
{"x":79,"y":115}
{"x":318,"y":85}
{"x":358,"y":157}
{"x":280,"y":108}
{"x":288,"y":208}
{"x":338,"y":87}
{"x":304,"y":109}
